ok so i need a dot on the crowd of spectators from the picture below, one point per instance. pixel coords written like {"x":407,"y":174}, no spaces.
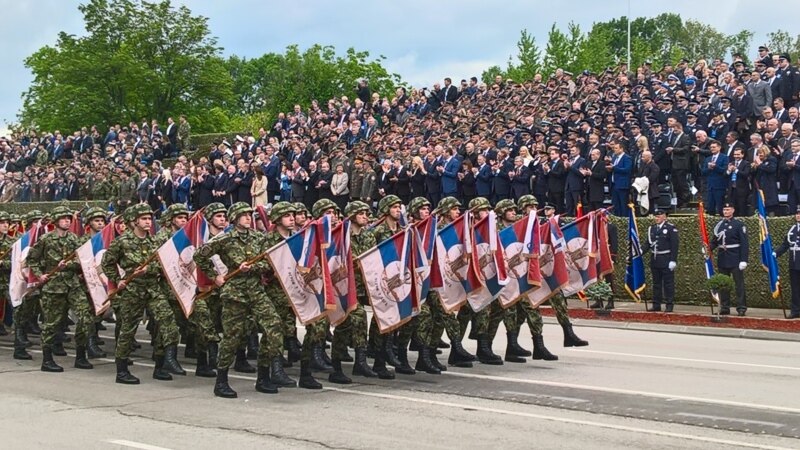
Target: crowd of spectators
{"x":708,"y":130}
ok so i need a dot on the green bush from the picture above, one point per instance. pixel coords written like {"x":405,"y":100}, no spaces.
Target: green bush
{"x":690,"y":275}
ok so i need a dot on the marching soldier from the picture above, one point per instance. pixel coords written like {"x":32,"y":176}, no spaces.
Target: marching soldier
{"x":25,"y":314}
{"x":354,"y":328}
{"x":6,"y":242}
{"x":52,"y":261}
{"x":95,"y":221}
{"x":300,"y":217}
{"x":140,"y":289}
{"x":242,"y":295}
{"x":792,"y":244}
{"x":730,"y":241}
{"x":662,"y":240}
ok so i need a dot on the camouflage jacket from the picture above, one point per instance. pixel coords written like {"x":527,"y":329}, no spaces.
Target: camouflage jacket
{"x":382,"y":232}
{"x":369,"y":187}
{"x":234,"y":248}
{"x":45,"y":255}
{"x":129,"y":251}
{"x":5,"y":264}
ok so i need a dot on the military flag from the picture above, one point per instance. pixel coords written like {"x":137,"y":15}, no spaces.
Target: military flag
{"x":521,"y":245}
{"x":21,"y":280}
{"x":488,"y":258}
{"x":634,"y":272}
{"x":453,"y":270}
{"x":90,"y":256}
{"x":705,"y":247}
{"x":768,"y":259}
{"x":340,"y":265}
{"x":177,"y":261}
{"x":580,"y":254}
{"x":426,"y":244}
{"x":552,"y":263}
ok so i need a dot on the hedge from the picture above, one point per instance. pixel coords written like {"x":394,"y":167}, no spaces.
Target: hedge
{"x":22,"y":208}
{"x":690,"y":276}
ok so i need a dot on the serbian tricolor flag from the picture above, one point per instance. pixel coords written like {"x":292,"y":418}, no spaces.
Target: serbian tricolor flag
{"x":581,"y":254}
{"x":177,"y":261}
{"x":261,"y":213}
{"x":459,"y":282}
{"x":340,"y":266}
{"x":426,"y":236}
{"x":488,"y":259}
{"x":520,"y":242}
{"x":21,"y":280}
{"x":605,"y":265}
{"x":389,"y":278}
{"x":300,"y":265}
{"x":705,"y":247}
{"x":551,"y":262}
{"x":90,"y":256}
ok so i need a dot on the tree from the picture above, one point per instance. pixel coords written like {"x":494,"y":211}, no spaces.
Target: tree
{"x":162,"y":61}
{"x":529,"y":59}
{"x":780,"y":41}
{"x":557,"y":53}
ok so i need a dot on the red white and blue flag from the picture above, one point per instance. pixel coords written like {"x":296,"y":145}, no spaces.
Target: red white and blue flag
{"x":340,"y":265}
{"x":488,"y":257}
{"x":300,"y":265}
{"x":453,"y":270}
{"x":580,"y":250}
{"x":389,"y":278}
{"x":90,"y":256}
{"x":521,"y":244}
{"x":21,"y":279}
{"x":177,"y":261}
{"x":552,"y":263}
{"x":426,"y":235}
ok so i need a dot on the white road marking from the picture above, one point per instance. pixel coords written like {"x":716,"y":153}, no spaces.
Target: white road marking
{"x":133,"y":444}
{"x":672,"y":358}
{"x":554,"y":397}
{"x":732,"y":419}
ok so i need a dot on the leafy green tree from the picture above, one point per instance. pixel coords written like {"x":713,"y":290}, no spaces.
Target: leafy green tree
{"x":528,"y":60}
{"x":138,"y":59}
{"x":779,"y":41}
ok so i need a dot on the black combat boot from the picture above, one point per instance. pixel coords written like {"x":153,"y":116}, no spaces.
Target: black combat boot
{"x":513,"y":345}
{"x":92,"y":350}
{"x":361,"y":367}
{"x":221,"y":386}
{"x":435,"y":360}
{"x":389,"y":352}
{"x":610,"y":304}
{"x":252,"y":346}
{"x":485,"y":354}
{"x":80,"y":359}
{"x":338,"y":376}
{"x":346,"y":357}
{"x":58,"y":349}
{"x":263,"y":383}
{"x":21,"y":336}
{"x":19,"y":345}
{"x":317,"y":362}
{"x":48,"y":365}
{"x":424,"y":362}
{"x":213,"y":354}
{"x":307,"y":380}
{"x":3,"y":331}
{"x":415,"y":345}
{"x":511,"y":354}
{"x":190,"y":351}
{"x":159,"y":372}
{"x":278,"y":375}
{"x":123,"y":375}
{"x":171,"y":360}
{"x":325,"y":357}
{"x":292,"y":349}
{"x":203,"y":370}
{"x":241,"y":365}
{"x":540,"y":351}
{"x":570,"y":338}
{"x":442,"y":344}
{"x":33,"y":328}
{"x":598,"y":304}
{"x":379,"y":367}
{"x":404,"y":367}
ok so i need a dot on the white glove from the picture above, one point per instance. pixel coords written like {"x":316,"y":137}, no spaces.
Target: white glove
{"x":774,"y":255}
{"x":672,"y":265}
{"x":742,"y":265}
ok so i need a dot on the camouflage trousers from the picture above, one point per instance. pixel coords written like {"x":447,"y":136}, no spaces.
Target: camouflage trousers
{"x":352,"y":331}
{"x":26,"y":312}
{"x":55,"y":308}
{"x":315,"y":336}
{"x":202,"y":323}
{"x":284,"y":310}
{"x":130,"y":305}
{"x":480,"y":319}
{"x":496,"y":313}
{"x":523,"y":311}
{"x":433,"y":321}
{"x":238,"y":303}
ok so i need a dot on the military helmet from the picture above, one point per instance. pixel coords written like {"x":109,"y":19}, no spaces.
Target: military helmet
{"x":416,"y":204}
{"x":59,"y":212}
{"x":281,"y":209}
{"x":527,"y":200}
{"x":300,"y":207}
{"x":355,"y":207}
{"x":237,"y":209}
{"x":94,"y":212}
{"x":479,"y":203}
{"x":387,"y":202}
{"x":136,"y":211}
{"x":213,"y":209}
{"x":174,"y":210}
{"x":33,"y":215}
{"x":448,"y":203}
{"x":15,"y":218}
{"x":5,"y":217}
{"x":504,"y":205}
{"x":322,"y":205}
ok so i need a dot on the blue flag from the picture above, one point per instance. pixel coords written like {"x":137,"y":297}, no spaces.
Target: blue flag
{"x":634,"y":272}
{"x":768,"y":259}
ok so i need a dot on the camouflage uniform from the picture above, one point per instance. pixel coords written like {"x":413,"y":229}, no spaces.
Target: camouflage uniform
{"x":6,"y":243}
{"x":206,"y":311}
{"x":62,"y":291}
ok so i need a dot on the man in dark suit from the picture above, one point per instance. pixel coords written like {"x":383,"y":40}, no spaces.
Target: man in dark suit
{"x":449,"y":171}
{"x":483,"y":178}
{"x":738,"y":172}
{"x":449,"y":92}
{"x":556,"y":175}
{"x":680,"y":149}
{"x":620,"y":168}
{"x":595,"y":170}
{"x":714,"y":168}
{"x":650,"y":170}
{"x":433,"y":179}
{"x":172,"y":136}
{"x":575,"y":182}
{"x":245,"y":180}
{"x":501,"y":183}
{"x":272,"y":170}
{"x":520,"y":179}
{"x":73,"y":190}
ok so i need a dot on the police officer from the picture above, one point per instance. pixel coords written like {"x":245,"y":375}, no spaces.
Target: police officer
{"x":730,"y":241}
{"x":792,"y":244}
{"x":662,"y":241}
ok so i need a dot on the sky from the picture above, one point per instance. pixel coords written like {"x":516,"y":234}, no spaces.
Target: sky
{"x":423,"y":41}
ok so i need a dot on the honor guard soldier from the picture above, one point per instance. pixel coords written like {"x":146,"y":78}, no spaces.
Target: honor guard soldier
{"x":730,"y":241}
{"x":662,"y":242}
{"x":792,"y":245}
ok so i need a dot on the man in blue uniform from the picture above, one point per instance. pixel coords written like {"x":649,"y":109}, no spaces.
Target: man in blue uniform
{"x":792,"y":244}
{"x":662,"y":241}
{"x":730,"y":241}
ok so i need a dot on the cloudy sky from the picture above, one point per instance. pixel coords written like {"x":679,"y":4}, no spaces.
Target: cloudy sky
{"x":422,"y":40}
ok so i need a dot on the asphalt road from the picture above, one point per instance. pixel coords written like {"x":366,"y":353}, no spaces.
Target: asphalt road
{"x":628,"y":389}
